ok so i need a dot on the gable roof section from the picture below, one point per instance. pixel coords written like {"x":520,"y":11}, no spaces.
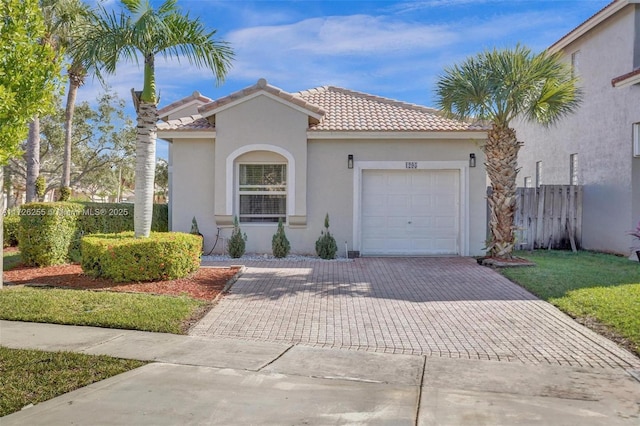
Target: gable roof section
{"x":332,"y":111}
{"x":190,"y":123}
{"x":261,"y":87}
{"x":194,"y":98}
{"x":351,"y":111}
{"x":593,"y":21}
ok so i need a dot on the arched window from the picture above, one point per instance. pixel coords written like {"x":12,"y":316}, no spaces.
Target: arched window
{"x":262,"y":192}
{"x":260,"y":184}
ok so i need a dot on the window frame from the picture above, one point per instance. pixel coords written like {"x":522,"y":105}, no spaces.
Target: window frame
{"x":528,"y":182}
{"x":238,"y":192}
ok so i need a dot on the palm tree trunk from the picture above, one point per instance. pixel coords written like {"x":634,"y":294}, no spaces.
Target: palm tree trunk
{"x":145,"y":168}
{"x":32,"y":158}
{"x":74,"y":85}
{"x":502,"y":161}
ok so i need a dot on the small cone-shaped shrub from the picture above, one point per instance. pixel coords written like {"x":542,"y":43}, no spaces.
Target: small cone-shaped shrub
{"x":237,"y":241}
{"x":279,"y":243}
{"x":326,"y":246}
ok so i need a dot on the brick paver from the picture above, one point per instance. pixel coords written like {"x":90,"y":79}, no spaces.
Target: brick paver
{"x":448,"y":307}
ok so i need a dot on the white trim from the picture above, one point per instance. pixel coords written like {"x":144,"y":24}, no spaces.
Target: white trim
{"x":236,"y":200}
{"x":591,"y":23}
{"x":317,"y":134}
{"x":461,"y":166}
{"x":183,"y":106}
{"x":291,"y":175}
{"x":628,"y":82}
{"x":185,"y":134}
{"x":268,"y":95}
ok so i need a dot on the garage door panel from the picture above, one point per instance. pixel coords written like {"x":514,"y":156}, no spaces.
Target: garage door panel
{"x":419,"y":202}
{"x":398,"y":205}
{"x":397,"y":181}
{"x":410,"y":212}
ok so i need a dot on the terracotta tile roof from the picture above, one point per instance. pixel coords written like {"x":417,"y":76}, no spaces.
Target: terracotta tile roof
{"x":262,"y":84}
{"x":194,"y":96}
{"x":347,"y":110}
{"x":189,"y":123}
{"x":627,"y":76}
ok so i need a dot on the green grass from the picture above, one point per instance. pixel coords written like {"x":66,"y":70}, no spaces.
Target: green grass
{"x":11,"y":260}
{"x":586,"y":284}
{"x":29,"y":377}
{"x":166,"y":314}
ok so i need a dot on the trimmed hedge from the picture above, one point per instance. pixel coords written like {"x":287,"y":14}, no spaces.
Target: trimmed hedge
{"x":122,"y":257}
{"x":90,"y":218}
{"x":107,"y":218}
{"x":10,"y":226}
{"x":47,"y":232}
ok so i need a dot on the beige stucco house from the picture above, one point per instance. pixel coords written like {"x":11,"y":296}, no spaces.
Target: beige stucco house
{"x":395,"y":178}
{"x":597,"y":147}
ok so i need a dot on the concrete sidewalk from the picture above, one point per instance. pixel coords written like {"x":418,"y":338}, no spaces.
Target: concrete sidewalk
{"x":234,"y":382}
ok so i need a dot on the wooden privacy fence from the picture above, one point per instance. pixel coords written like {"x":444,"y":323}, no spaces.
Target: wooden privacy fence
{"x":549,"y":217}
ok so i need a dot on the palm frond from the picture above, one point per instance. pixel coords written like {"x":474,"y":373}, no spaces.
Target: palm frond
{"x":500,"y":85}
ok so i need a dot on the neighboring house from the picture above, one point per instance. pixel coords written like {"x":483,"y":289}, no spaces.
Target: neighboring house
{"x":395,"y":178}
{"x":594,"y":147}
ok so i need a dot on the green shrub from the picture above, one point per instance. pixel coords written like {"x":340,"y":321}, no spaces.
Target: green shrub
{"x":107,"y":218}
{"x":122,"y":257}
{"x":10,"y":226}
{"x":41,"y":187}
{"x":279,"y":243}
{"x":237,"y":242}
{"x":47,"y":232}
{"x":65,"y":193}
{"x":326,"y":246}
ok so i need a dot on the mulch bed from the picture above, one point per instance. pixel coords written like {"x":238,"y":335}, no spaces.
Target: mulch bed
{"x":205,"y":284}
{"x":494,"y":262}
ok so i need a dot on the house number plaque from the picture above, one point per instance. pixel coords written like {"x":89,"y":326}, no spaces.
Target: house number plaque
{"x":411,"y":165}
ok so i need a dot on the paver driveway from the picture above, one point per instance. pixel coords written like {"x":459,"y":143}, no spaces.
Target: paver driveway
{"x":448,"y":307}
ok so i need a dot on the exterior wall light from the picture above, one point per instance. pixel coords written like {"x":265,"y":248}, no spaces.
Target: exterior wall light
{"x":350,"y":161}
{"x":472,"y":160}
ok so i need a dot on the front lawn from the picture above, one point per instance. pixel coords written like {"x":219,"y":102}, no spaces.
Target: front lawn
{"x":586,"y":286}
{"x":165,"y":314}
{"x":11,"y":259}
{"x":29,"y":377}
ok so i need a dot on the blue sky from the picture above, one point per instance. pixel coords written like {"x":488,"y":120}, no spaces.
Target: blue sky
{"x":395,"y":49}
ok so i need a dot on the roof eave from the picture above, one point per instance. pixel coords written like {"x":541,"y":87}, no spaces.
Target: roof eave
{"x":195,"y":98}
{"x":620,"y":82}
{"x":608,"y":11}
{"x":311,"y":113}
{"x":450,"y":134}
{"x":185,"y":134}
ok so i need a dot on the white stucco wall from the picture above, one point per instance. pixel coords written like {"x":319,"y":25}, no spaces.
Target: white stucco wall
{"x":191,"y":192}
{"x":266,"y":129}
{"x":600,"y":133}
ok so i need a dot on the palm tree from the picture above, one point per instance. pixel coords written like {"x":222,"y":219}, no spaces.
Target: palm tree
{"x":72,"y":16}
{"x":60,"y":18}
{"x":140,"y":31}
{"x":500,"y":86}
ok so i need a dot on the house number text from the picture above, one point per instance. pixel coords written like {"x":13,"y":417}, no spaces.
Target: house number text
{"x":411,"y":165}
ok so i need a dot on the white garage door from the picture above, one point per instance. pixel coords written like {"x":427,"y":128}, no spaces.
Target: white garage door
{"x":410,"y":212}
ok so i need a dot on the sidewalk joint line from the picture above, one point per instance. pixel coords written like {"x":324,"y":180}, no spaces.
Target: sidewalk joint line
{"x":275,"y":359}
{"x":424,"y":372}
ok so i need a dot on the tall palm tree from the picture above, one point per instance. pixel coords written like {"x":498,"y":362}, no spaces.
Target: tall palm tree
{"x":60,"y":18}
{"x":72,"y":17}
{"x":500,"y":86}
{"x":141,"y":32}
